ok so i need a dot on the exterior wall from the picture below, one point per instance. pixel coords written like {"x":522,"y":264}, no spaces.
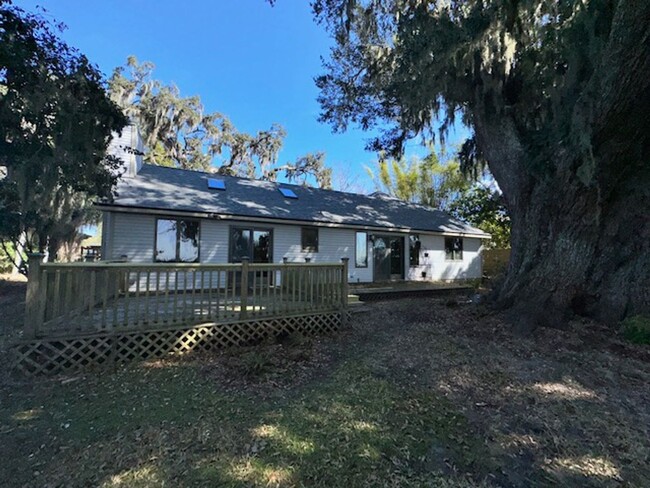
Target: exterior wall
{"x":123,"y":146}
{"x":333,"y":244}
{"x":214,"y":238}
{"x":434,"y":263}
{"x":133,"y":236}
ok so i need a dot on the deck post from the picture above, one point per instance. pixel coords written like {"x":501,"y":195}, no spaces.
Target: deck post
{"x":35,"y":296}
{"x":243,"y":292}
{"x":344,"y":291}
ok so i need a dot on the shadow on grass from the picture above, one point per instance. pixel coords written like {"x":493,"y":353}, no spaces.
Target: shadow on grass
{"x":142,"y":427}
{"x":406,"y":405}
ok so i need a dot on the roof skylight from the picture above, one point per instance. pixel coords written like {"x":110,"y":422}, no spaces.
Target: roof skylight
{"x":288,"y":193}
{"x":216,"y":184}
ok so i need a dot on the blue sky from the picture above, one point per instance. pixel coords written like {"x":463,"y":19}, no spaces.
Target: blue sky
{"x":250,"y":61}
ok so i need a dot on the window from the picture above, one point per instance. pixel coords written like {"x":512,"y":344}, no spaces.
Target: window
{"x":254,"y":244}
{"x":414,"y":250}
{"x":177,"y":241}
{"x":454,"y":248}
{"x":288,"y":192}
{"x":361,"y":254}
{"x":309,"y":239}
{"x":216,"y":184}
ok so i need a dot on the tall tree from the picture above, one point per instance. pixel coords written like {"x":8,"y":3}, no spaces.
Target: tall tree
{"x":179,"y":133}
{"x":56,"y":121}
{"x":425,"y":181}
{"x":484,"y":207}
{"x":557,"y":96}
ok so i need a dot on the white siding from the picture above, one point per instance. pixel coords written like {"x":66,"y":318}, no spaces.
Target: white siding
{"x":434,"y":263}
{"x":133,"y":236}
{"x":333,"y":244}
{"x":214,"y":237}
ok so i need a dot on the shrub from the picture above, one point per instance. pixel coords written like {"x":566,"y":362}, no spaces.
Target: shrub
{"x":636,"y":329}
{"x":251,"y":362}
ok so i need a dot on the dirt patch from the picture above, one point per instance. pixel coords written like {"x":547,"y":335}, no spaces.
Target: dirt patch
{"x":551,"y":407}
{"x":424,"y":392}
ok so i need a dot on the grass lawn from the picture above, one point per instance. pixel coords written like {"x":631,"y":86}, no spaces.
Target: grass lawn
{"x":414,"y":393}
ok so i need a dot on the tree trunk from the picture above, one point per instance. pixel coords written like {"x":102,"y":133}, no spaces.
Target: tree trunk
{"x":577,"y":248}
{"x":573,"y":252}
{"x":581,"y":240}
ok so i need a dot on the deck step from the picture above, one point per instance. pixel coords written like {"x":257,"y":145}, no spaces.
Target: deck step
{"x":374,"y":294}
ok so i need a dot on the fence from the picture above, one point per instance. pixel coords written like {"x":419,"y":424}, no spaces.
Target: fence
{"x":78,"y":298}
{"x":495,"y":261}
{"x":88,"y":314}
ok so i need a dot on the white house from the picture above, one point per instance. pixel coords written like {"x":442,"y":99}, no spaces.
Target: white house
{"x":173,"y":215}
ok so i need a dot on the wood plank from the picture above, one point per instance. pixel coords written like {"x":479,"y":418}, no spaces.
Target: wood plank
{"x":192,"y":314}
{"x":117,"y":275}
{"x":175,"y":309}
{"x":127,"y":294}
{"x":91,"y":278}
{"x":218,"y":294}
{"x":137,"y":298}
{"x":56,"y":298}
{"x":68,"y":298}
{"x":167,"y":314}
{"x":105,"y":286}
{"x":243,"y":291}
{"x":157,"y":298}
{"x":147,"y":298}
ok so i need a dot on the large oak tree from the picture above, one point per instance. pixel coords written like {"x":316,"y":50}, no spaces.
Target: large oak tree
{"x":557,"y":94}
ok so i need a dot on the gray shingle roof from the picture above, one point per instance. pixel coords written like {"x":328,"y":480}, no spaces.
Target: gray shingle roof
{"x":162,"y":188}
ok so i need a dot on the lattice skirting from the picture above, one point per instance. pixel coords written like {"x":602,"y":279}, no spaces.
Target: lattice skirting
{"x":56,"y":355}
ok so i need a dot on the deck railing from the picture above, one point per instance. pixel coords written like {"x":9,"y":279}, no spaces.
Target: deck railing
{"x":79,"y":298}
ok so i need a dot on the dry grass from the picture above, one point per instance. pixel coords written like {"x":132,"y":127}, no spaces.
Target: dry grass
{"x":415,"y":393}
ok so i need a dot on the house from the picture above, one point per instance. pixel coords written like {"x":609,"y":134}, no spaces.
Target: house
{"x":163,"y":214}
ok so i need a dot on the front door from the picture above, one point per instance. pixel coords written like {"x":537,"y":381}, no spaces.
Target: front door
{"x":388,"y":258}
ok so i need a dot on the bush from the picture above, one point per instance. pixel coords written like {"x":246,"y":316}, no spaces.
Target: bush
{"x":5,"y":261}
{"x":636,"y":329}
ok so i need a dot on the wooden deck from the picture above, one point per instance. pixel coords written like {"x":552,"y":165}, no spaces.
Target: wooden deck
{"x":74,"y":299}
{"x":91,"y":314}
{"x":181,"y":309}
